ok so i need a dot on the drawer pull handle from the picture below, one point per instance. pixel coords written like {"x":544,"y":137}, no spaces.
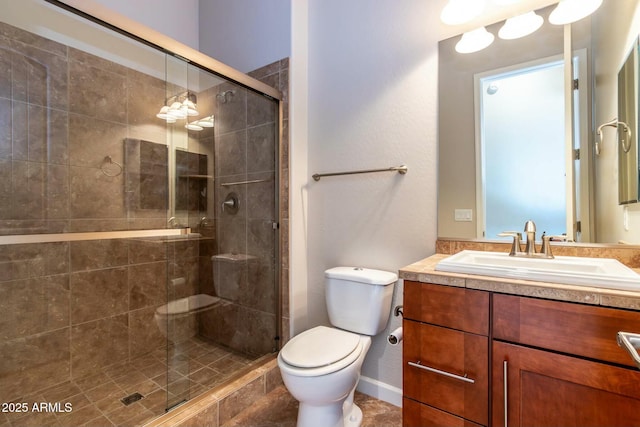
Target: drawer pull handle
{"x":438,"y":371}
{"x":631,"y":342}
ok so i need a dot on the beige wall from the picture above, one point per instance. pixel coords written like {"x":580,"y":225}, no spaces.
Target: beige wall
{"x":372,"y":79}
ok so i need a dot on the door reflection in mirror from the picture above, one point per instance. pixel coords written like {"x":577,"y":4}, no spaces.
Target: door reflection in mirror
{"x":521,"y":154}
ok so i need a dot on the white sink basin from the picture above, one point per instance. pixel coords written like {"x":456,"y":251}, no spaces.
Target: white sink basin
{"x":598,"y":272}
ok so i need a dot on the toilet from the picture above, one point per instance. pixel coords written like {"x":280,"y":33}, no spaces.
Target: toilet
{"x":321,"y":366}
{"x":177,"y":319}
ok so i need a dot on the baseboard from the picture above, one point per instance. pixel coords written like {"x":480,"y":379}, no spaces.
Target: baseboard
{"x":380,"y":390}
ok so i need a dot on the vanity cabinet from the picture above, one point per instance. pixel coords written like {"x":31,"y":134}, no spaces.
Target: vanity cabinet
{"x":561,"y":364}
{"x":560,"y":360}
{"x":445,"y":356}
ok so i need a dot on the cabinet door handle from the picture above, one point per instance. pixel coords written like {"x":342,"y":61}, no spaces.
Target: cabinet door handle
{"x":438,"y":371}
{"x":631,"y":342}
{"x":505,"y":369}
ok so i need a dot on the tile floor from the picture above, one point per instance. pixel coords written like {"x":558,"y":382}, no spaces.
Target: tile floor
{"x":279,"y":409}
{"x":196,"y":366}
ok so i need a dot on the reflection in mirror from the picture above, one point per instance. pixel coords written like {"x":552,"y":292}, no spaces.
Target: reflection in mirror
{"x":521,"y":166}
{"x":146,"y":175}
{"x":628,"y":129}
{"x":599,"y":44}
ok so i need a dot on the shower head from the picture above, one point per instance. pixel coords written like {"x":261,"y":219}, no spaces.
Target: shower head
{"x":226,"y":96}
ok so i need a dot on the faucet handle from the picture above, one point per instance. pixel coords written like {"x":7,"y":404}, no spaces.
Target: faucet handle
{"x":546,"y":246}
{"x":517,"y":239}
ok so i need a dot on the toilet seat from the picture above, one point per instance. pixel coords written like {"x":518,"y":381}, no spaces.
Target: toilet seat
{"x":187,"y":305}
{"x":320,"y":351}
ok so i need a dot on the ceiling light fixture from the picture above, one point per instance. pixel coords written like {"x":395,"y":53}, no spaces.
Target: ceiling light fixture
{"x":460,"y":11}
{"x":206,"y":122}
{"x":179,"y":106}
{"x":520,"y":26}
{"x":164,"y":115}
{"x":569,"y":11}
{"x":198,"y":125}
{"x":474,"y":41}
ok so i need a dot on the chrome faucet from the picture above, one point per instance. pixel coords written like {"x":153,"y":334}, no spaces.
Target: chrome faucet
{"x":530,"y":247}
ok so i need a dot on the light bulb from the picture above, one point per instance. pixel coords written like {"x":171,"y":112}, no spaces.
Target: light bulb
{"x":190,"y":107}
{"x":569,"y":11}
{"x":205,"y":122}
{"x":520,"y":26}
{"x":164,"y":115}
{"x":474,"y":41}
{"x":176,"y":111}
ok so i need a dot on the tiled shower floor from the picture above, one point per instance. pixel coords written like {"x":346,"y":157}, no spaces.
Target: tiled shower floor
{"x":96,"y":400}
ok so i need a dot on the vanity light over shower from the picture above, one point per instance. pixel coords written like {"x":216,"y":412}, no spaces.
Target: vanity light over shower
{"x":182,"y":106}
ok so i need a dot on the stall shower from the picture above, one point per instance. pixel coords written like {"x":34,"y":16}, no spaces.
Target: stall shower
{"x":139,"y":222}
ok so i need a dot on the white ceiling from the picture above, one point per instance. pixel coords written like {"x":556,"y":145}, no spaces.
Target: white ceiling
{"x":492,"y":14}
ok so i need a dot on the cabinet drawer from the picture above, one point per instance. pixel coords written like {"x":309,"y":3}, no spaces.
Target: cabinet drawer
{"x":581,"y":330}
{"x":439,"y":365}
{"x":452,"y":307}
{"x":416,"y":414}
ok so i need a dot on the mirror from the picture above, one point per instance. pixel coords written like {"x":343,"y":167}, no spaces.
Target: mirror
{"x":600,"y":44}
{"x":628,"y":129}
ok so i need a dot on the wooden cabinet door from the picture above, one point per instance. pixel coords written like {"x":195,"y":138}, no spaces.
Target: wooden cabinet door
{"x":447,"y":369}
{"x":550,"y":389}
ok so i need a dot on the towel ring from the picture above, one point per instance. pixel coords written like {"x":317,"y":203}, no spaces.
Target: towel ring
{"x":109,"y":161}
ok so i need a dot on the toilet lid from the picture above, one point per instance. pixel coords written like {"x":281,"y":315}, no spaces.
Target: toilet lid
{"x":319,"y":346}
{"x":187,"y":304}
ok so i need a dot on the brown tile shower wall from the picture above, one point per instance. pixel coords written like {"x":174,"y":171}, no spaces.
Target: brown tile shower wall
{"x":62,"y":112}
{"x":72,"y":308}
{"x":276,"y":75}
{"x":245,"y":133}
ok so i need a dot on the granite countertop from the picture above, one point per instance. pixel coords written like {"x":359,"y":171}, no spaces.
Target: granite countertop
{"x":424,"y":271}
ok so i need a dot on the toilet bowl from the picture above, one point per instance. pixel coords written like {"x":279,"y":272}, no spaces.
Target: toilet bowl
{"x":321,"y":366}
{"x":177,"y":319}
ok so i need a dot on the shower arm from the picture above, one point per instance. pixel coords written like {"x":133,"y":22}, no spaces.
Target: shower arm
{"x":614,"y":123}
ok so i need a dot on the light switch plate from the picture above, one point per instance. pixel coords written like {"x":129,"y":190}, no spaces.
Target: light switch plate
{"x":463,"y":215}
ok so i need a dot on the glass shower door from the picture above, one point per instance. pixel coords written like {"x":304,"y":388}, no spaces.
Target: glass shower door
{"x":222,"y":279}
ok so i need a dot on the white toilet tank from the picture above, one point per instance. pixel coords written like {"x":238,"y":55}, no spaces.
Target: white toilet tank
{"x":359,"y":299}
